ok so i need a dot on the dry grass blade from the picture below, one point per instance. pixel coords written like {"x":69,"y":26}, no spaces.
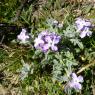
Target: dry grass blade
{"x":85,"y":67}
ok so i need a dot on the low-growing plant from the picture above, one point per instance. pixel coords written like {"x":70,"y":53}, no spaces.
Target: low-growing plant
{"x":54,"y":58}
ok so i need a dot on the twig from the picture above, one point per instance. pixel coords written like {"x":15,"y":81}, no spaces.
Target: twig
{"x":2,"y":39}
{"x":85,"y":67}
{"x":4,"y":46}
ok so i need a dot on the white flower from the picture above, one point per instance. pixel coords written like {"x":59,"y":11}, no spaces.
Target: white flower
{"x":22,"y":36}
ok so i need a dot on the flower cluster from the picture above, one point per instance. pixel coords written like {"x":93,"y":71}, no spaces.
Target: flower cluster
{"x":23,"y":36}
{"x":46,"y":41}
{"x":83,"y":27}
{"x":75,"y":82}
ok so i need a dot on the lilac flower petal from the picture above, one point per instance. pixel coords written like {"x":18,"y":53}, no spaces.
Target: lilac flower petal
{"x":80,"y":27}
{"x":80,"y":78}
{"x":56,"y":40}
{"x":54,"y":48}
{"x":83,"y":34}
{"x":82,"y":24}
{"x":77,"y":86}
{"x":43,"y":33}
{"x":74,"y":76}
{"x":86,"y":32}
{"x":88,"y":23}
{"x":47,"y":38}
{"x":75,"y":82}
{"x":89,"y":33}
{"x":71,"y":84}
{"x":37,"y":46}
{"x":38,"y":41}
{"x":22,"y":36}
{"x":83,"y":28}
{"x":45,"y":47}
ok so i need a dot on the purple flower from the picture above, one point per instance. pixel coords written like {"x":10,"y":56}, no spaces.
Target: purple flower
{"x":82,"y":24}
{"x":86,"y":32}
{"x":83,"y":27}
{"x":46,"y":41}
{"x":22,"y":36}
{"x":42,"y":34}
{"x":45,"y":47}
{"x":38,"y":42}
{"x":75,"y":82}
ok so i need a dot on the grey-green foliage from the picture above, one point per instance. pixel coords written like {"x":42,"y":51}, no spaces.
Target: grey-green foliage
{"x":61,"y":62}
{"x":63,"y":66}
{"x":71,"y":34}
{"x":54,"y":25}
{"x":24,"y":71}
{"x":57,"y":70}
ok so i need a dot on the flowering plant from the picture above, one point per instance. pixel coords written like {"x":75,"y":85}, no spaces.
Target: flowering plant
{"x":47,"y":40}
{"x":23,"y":37}
{"x":51,"y":56}
{"x":83,"y":26}
{"x":75,"y":82}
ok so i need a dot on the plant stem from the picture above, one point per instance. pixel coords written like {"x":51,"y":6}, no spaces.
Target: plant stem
{"x":85,"y":67}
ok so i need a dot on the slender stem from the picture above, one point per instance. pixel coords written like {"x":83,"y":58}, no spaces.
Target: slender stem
{"x":2,"y":39}
{"x":85,"y":67}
